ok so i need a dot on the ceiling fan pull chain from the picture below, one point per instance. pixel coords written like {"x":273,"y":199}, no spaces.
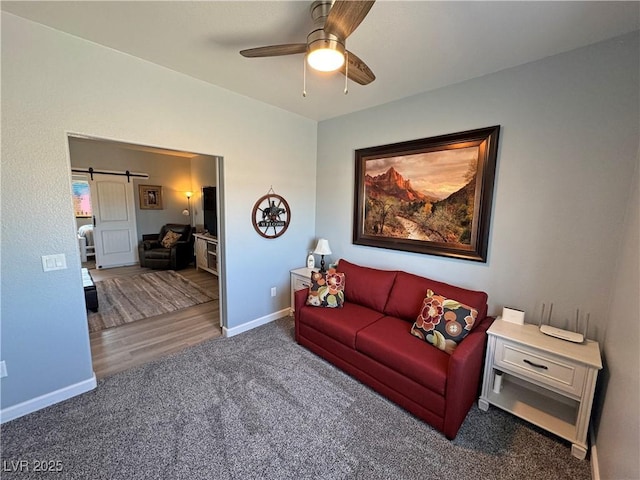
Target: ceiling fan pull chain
{"x":304,"y":77}
{"x":346,"y":72}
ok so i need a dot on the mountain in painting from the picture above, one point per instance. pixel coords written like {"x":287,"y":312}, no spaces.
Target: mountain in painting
{"x":392,"y":184}
{"x":465,"y":196}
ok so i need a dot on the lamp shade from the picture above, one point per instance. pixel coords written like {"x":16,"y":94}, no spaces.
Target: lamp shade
{"x":322,"y":248}
{"x":185,"y":212}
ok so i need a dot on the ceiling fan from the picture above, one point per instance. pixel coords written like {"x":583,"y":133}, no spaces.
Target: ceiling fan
{"x":325,"y":47}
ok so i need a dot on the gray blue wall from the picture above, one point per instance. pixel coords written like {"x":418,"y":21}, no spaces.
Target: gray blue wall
{"x":617,"y":426}
{"x":567,"y":164}
{"x":567,"y":152}
{"x":53,"y":84}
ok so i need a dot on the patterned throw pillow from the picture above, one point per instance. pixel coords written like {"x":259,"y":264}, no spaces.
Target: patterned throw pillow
{"x":170,"y":239}
{"x":443,"y":322}
{"x":326,"y":290}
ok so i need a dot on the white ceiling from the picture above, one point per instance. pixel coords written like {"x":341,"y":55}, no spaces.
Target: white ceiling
{"x":411,"y":46}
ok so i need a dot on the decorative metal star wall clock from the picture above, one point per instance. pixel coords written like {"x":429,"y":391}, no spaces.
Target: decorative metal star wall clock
{"x":271,"y":215}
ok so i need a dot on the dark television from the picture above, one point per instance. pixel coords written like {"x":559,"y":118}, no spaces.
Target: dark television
{"x":209,"y":208}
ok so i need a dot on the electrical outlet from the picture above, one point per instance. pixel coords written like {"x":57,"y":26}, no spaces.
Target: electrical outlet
{"x":273,"y":291}
{"x":3,"y":369}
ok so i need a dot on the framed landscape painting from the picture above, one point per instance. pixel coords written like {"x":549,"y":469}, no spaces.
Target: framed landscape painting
{"x":431,"y":195}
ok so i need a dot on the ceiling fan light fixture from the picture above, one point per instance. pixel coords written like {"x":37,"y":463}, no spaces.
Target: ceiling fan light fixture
{"x":325,"y":55}
{"x":325,"y":59}
{"x":333,"y":22}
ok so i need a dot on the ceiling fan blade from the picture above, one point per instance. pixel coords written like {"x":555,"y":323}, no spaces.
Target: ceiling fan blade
{"x":345,"y":16}
{"x":275,"y":50}
{"x":358,"y":70}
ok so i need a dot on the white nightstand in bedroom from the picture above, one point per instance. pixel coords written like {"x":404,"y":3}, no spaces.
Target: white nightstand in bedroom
{"x":544,"y":380}
{"x":300,"y":278}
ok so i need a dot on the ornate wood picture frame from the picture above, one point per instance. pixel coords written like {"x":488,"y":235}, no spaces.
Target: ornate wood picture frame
{"x":150,"y":197}
{"x":431,"y":195}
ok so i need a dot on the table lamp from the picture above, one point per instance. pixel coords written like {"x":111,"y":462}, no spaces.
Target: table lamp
{"x":322,"y":248}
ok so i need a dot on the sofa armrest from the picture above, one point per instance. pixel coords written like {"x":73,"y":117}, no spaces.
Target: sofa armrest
{"x":299,"y":301}
{"x":150,"y":236}
{"x":463,"y":377}
{"x":150,"y":244}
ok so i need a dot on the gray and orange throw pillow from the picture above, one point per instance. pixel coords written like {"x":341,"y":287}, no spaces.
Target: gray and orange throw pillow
{"x":443,"y":322}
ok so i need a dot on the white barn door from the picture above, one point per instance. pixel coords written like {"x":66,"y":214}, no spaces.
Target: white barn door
{"x":114,"y":232}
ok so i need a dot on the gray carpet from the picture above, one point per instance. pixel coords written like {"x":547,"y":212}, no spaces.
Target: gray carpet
{"x":127,"y":299}
{"x":260,"y":406}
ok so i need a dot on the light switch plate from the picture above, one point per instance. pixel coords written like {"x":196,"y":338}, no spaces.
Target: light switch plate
{"x":3,"y":369}
{"x":54,"y":262}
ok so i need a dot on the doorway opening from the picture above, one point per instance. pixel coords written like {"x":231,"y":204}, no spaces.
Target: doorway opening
{"x":179,"y":181}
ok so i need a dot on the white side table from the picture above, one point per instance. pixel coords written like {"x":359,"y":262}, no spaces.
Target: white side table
{"x":300,"y":278}
{"x":544,"y":380}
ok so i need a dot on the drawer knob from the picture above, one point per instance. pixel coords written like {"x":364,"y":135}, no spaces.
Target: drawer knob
{"x":536,"y":365}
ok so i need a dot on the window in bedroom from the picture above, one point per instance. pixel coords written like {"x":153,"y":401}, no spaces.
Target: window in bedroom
{"x":81,"y":196}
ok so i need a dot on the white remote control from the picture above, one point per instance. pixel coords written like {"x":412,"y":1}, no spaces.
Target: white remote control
{"x":563,"y":334}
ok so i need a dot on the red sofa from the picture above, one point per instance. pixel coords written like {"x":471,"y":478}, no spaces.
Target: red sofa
{"x":369,"y":338}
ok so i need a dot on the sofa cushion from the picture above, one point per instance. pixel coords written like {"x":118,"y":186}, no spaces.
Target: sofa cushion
{"x":389,"y":342}
{"x":326,"y":290}
{"x":163,"y":253}
{"x":443,"y":322}
{"x":409,"y":290}
{"x":341,"y":324}
{"x":366,"y":286}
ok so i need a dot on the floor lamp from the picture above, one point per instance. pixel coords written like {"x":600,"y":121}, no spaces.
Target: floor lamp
{"x":187,"y":211}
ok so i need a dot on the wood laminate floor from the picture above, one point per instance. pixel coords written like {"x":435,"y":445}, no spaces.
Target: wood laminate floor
{"x":116,"y":349}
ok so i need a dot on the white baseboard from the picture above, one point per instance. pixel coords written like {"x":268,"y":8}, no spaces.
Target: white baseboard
{"x":38,"y":403}
{"x":230,"y":332}
{"x":595,"y":466}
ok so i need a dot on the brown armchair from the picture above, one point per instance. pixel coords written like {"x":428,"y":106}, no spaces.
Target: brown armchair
{"x":153,"y":254}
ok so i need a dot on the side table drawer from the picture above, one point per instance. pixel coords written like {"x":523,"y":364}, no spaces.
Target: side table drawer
{"x":300,"y":280}
{"x":556,"y":372}
{"x":300,"y":283}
